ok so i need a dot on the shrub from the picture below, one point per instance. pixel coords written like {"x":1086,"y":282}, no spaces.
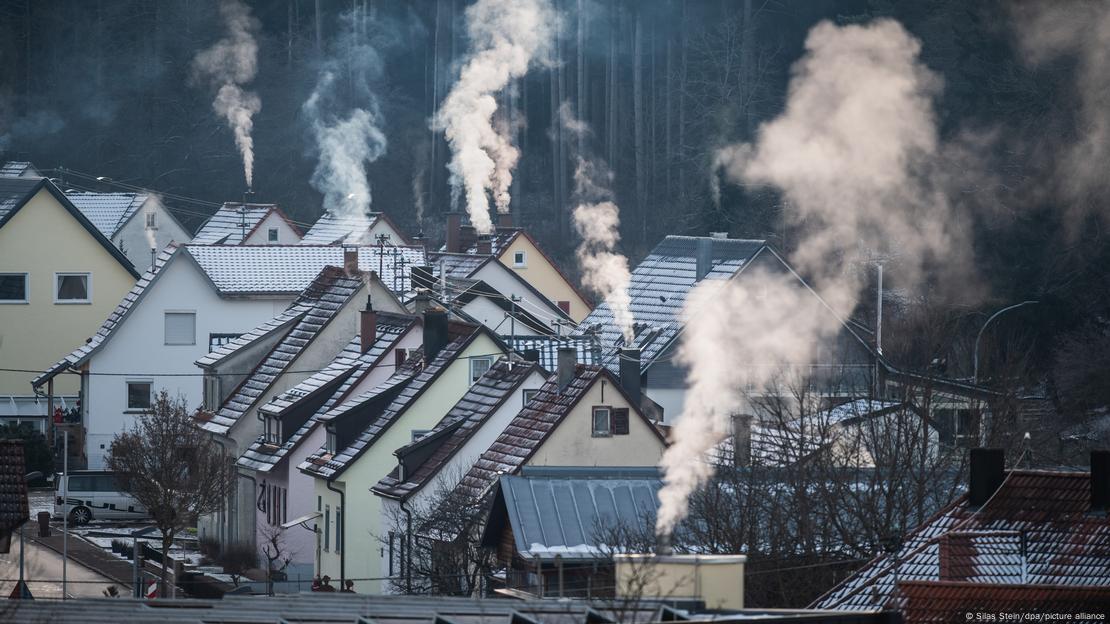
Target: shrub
{"x":237,"y":559}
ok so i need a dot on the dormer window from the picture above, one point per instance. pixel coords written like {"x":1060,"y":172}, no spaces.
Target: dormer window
{"x":330,"y":441}
{"x":478,"y":367}
{"x":273,"y":430}
{"x":211,"y":392}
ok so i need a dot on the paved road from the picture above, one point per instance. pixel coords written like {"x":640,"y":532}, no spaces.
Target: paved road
{"x":42,"y":569}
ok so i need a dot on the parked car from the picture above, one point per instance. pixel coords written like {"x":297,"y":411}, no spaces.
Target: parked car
{"x":95,"y":495}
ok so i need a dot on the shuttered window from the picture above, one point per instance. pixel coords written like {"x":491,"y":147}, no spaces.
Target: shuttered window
{"x":620,"y":421}
{"x":181,"y":328}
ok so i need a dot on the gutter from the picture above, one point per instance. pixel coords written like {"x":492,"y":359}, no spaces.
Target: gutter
{"x":341,"y":533}
{"x":408,"y":547}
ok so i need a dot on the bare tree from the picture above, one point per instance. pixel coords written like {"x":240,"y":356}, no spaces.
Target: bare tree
{"x":172,"y":467}
{"x":277,"y":555}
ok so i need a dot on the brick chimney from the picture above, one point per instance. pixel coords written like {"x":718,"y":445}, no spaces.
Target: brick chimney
{"x":350,"y":259}
{"x":367,"y":326}
{"x":988,"y":470}
{"x":435,"y":333}
{"x":454,"y":227}
{"x":485,"y":245}
{"x":468,"y":236}
{"x":505,"y":219}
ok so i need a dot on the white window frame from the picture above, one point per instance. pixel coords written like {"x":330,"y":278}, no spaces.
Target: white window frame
{"x":165,"y":318}
{"x":88,"y":288}
{"x":330,"y":440}
{"x":211,"y":391}
{"x":523,"y":263}
{"x":594,"y":431}
{"x":26,"y":289}
{"x":127,"y":395}
{"x":273,"y":430}
{"x":528,"y":395}
{"x":272,"y":235}
{"x":474,"y":360}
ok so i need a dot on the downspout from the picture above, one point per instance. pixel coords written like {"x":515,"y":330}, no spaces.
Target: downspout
{"x":341,"y":533}
{"x":408,"y":547}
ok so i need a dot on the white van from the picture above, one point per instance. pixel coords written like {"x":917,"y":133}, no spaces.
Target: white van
{"x":95,"y":495}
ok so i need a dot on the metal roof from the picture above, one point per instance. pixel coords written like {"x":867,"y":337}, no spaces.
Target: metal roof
{"x":569,"y":516}
{"x":288,"y":269}
{"x":107,"y":211}
{"x":234,"y":222}
{"x":1037,"y":529}
{"x":659,"y":287}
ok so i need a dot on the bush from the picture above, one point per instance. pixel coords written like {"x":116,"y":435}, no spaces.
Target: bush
{"x":237,"y":559}
{"x":124,"y":548}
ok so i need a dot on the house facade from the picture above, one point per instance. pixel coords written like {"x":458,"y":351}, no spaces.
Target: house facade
{"x":136,"y":223}
{"x":236,"y":223}
{"x":59,"y":278}
{"x":355,"y":229}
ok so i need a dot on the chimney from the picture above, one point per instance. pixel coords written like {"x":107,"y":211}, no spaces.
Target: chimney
{"x":435,"y":333}
{"x":421,"y":277}
{"x":531,"y":355}
{"x":350,"y":259}
{"x":630,"y":374}
{"x":742,"y":440}
{"x":468,"y":236}
{"x":248,"y":196}
{"x":505,"y":219}
{"x":454,"y":226}
{"x":1100,"y":481}
{"x":422,"y":302}
{"x":704,"y":258}
{"x":367,"y":326}
{"x":568,"y":358}
{"x":419,"y":239}
{"x":988,"y":470}
{"x":485,"y":245}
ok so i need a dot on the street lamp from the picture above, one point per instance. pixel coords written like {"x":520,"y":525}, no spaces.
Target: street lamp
{"x":975,"y":357}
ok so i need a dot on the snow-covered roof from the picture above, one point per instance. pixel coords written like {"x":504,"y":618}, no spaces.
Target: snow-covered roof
{"x":17,"y":169}
{"x":288,"y":269}
{"x":345,"y":229}
{"x":233,"y":223}
{"x":107,"y":211}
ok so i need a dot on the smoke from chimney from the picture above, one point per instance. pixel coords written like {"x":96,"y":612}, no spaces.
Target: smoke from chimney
{"x":506,"y":37}
{"x":857,"y":157}
{"x":597,"y":221}
{"x":227,"y":65}
{"x":347,"y":138}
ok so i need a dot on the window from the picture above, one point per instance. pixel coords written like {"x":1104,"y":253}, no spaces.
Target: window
{"x":71,"y":288}
{"x":399,"y":357}
{"x":138,"y":395}
{"x":150,"y":221}
{"x":601,"y":426}
{"x":211,"y":392}
{"x":218,"y":340}
{"x":620,"y":421}
{"x":330,"y":442}
{"x":564,"y":306}
{"x":529,"y":395}
{"x":478,"y":367}
{"x":82,"y":484}
{"x":272,"y":235}
{"x":273,"y":430}
{"x":181,"y":328}
{"x":327,"y":526}
{"x":338,"y":530}
{"x":13,"y":288}
{"x":520,"y":259}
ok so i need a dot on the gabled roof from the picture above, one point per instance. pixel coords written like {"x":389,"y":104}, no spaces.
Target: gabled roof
{"x":548,"y":348}
{"x":531,"y":427}
{"x":659,"y":287}
{"x":268,"y":270}
{"x":107,"y":211}
{"x":322,"y":300}
{"x":555,"y":513}
{"x":486,"y":396}
{"x":18,"y":168}
{"x":460,"y":292}
{"x":81,"y":354}
{"x":945,"y":601}
{"x":348,"y":368}
{"x":459,"y":268}
{"x":1037,"y":529}
{"x":335,"y":229}
{"x":16,"y":192}
{"x":234,"y":222}
{"x":415,"y":380}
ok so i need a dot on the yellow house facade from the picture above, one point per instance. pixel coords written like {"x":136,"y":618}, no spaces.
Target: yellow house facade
{"x":525,"y":257}
{"x":59,"y":279}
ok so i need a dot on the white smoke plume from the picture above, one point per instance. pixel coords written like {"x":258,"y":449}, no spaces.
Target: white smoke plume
{"x":347,"y":138}
{"x":597,"y":220}
{"x":857,"y":157}
{"x":227,"y":65}
{"x":506,"y":37}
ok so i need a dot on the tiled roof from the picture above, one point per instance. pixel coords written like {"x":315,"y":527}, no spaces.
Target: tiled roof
{"x":79,"y":355}
{"x":1036,"y":530}
{"x":548,"y":348}
{"x":943,"y":602}
{"x":278,"y":323}
{"x":551,"y":514}
{"x":323,"y":298}
{"x":288,"y":269}
{"x":16,"y":168}
{"x":501,"y":238}
{"x":414,"y":381}
{"x":333,"y":229}
{"x":530,"y":428}
{"x":13,"y":192}
{"x":107,"y":211}
{"x":485,"y":397}
{"x":348,"y":368}
{"x":14,"y":509}
{"x":456,"y":265}
{"x":660,"y":285}
{"x":235,"y":222}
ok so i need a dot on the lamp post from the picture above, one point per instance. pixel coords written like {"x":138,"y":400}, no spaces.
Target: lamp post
{"x":975,"y":356}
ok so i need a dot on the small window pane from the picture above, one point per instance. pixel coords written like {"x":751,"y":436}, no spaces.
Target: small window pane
{"x":138,"y":395}
{"x":518,"y":258}
{"x":181,"y":328}
{"x":73,"y":288}
{"x":528,"y":396}
{"x":601,"y":421}
{"x":13,"y":287}
{"x":478,"y":367}
{"x":81,"y":484}
{"x":272,"y":235}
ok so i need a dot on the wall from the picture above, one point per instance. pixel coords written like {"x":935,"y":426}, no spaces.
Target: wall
{"x":132,"y":237}
{"x":363,"y":538}
{"x":543,"y":276}
{"x":492,"y":316}
{"x":137,"y":346}
{"x":286,"y":234}
{"x":41,"y":239}
{"x":381,"y":227}
{"x":503,"y":281}
{"x":572,"y":442}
